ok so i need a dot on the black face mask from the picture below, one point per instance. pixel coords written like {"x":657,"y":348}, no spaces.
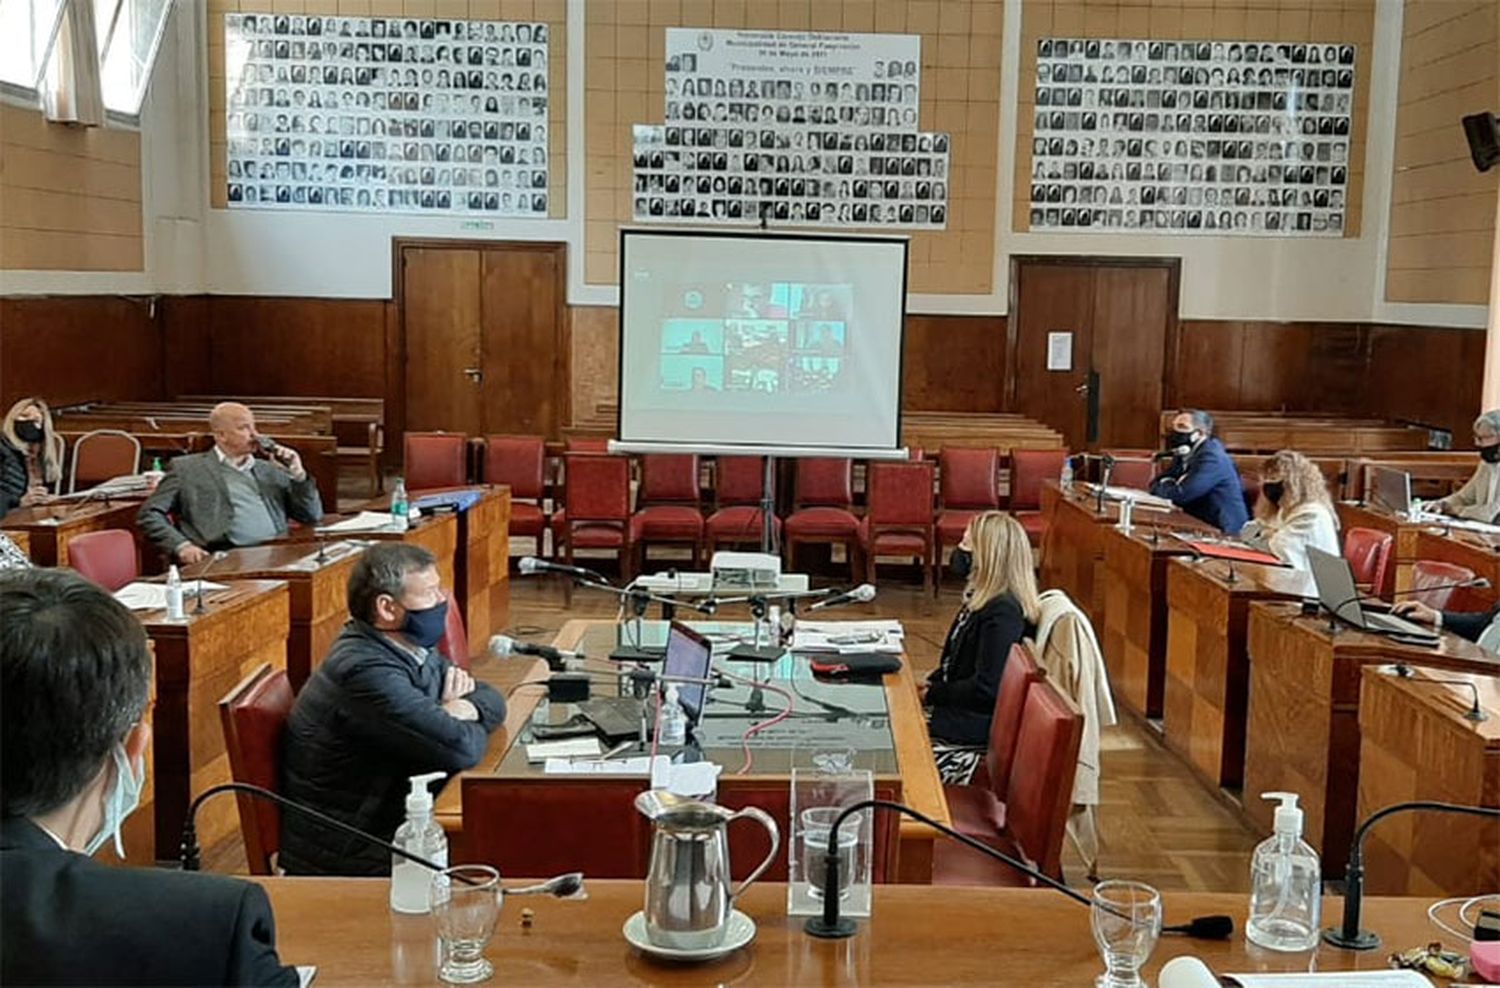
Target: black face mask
{"x":1175,"y":440}
{"x":1489,"y":454}
{"x":961,"y":563}
{"x":1273,"y":490}
{"x":28,"y":432}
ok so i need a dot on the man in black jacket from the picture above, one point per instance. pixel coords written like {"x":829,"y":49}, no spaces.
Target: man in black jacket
{"x":1482,"y":627}
{"x":76,"y":679}
{"x":384,"y":705}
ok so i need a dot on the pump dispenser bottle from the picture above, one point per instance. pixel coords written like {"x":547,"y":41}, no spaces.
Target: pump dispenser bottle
{"x":1286,"y":884}
{"x":424,"y":837}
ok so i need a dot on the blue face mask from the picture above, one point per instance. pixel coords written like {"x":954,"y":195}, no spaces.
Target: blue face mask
{"x":425,"y":627}
{"x":122,"y":800}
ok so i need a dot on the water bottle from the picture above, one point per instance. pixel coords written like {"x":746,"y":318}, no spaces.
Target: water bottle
{"x":174,"y":594}
{"x":673,"y":730}
{"x":400,"y":506}
{"x":1066,"y":480}
{"x":423,"y":836}
{"x":1286,"y":884}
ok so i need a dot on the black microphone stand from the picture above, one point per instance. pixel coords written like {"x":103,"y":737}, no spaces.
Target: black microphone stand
{"x":1475,"y":712}
{"x":830,"y":926}
{"x":1349,"y":936}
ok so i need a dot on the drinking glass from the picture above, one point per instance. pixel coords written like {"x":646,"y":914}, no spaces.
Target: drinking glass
{"x":1127,"y":921}
{"x":817,"y":828}
{"x":466,"y":907}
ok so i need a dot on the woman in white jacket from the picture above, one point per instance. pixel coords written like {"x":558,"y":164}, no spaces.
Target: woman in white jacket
{"x":1294,"y":511}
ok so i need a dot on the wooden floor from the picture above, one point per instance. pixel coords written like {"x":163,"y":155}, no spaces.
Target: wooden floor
{"x":1159,"y":825}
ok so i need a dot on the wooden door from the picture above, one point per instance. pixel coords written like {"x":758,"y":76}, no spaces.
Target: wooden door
{"x":525,"y":351}
{"x":1119,"y":313}
{"x":440,"y":311}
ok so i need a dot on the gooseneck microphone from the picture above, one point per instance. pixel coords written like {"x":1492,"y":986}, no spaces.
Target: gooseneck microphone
{"x":1349,"y":936}
{"x":830,"y":926}
{"x":1475,"y":712}
{"x":530,"y":566}
{"x":198,"y":607}
{"x":503,"y":646}
{"x":862,"y":594}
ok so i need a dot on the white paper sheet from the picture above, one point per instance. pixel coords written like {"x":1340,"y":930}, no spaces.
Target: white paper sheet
{"x":153,"y":596}
{"x":615,"y":766}
{"x":541,"y":751}
{"x":1344,"y":979}
{"x":365,"y":521}
{"x":846,"y":637}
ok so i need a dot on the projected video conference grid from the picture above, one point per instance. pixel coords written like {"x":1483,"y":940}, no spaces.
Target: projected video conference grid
{"x":768,"y":338}
{"x":1222,"y":138}
{"x":835,"y":153}
{"x":386,"y":114}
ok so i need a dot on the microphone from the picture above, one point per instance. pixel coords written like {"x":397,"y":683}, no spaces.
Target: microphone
{"x":1477,"y":583}
{"x":862,"y":594}
{"x":503,"y":647}
{"x":530,"y":566}
{"x":829,"y":926}
{"x":198,"y":607}
{"x":1475,"y":713}
{"x":1107,"y":471}
{"x":1349,"y":936}
{"x":273,"y":450}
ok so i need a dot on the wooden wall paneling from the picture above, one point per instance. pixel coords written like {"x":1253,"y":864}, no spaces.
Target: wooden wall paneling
{"x":79,"y":348}
{"x":1427,"y":375}
{"x":594,"y":350}
{"x":187,"y":345}
{"x":296,"y":346}
{"x":1206,"y":370}
{"x":954,"y":364}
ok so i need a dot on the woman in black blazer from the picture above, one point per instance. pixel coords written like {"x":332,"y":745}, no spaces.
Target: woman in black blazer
{"x":1000,"y":608}
{"x":28,"y":455}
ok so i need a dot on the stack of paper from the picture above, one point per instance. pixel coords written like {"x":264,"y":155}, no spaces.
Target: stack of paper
{"x":153,"y":596}
{"x":849,"y":636}
{"x":365,"y":521}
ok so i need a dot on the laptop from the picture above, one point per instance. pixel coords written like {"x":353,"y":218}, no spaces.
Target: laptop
{"x":1392,"y":489}
{"x":1334,"y":578}
{"x":689,"y":655}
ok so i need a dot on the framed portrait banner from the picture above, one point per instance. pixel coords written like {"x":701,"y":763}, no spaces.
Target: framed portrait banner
{"x":1222,"y":138}
{"x":793,"y":128}
{"x":394,"y":114}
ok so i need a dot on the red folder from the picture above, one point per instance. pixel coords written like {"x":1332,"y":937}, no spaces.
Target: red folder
{"x":1240,"y":554}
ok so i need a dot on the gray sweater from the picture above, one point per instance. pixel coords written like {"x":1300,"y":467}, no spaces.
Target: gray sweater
{"x":196,"y":493}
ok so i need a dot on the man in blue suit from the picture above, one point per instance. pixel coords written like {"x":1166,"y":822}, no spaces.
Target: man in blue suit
{"x":1202,"y":479}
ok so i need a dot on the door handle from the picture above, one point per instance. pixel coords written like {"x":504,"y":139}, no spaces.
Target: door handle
{"x":474,"y":374}
{"x":1082,"y":389}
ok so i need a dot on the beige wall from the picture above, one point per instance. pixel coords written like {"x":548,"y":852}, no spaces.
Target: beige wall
{"x":553,"y":13}
{"x":70,"y":197}
{"x":1321,"y":21}
{"x":1442,"y":209}
{"x":625,"y":47}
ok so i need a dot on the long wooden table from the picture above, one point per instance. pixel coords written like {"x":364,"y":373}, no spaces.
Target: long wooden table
{"x":21,"y":540}
{"x":1203,"y":712}
{"x":317,"y":593}
{"x":1303,"y":722}
{"x":1072,"y":553}
{"x":511,"y":840}
{"x":915,"y":936}
{"x":50,"y":527}
{"x":198,"y":660}
{"x":1417,"y":742}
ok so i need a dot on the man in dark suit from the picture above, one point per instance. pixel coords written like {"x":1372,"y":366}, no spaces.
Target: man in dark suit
{"x":226,"y":497}
{"x":75,"y":678}
{"x":1202,"y":479}
{"x":385,"y":705}
{"x":1480,"y":627}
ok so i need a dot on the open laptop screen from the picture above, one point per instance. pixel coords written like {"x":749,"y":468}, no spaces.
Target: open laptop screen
{"x":1334,"y":579}
{"x":689,"y":655}
{"x":1392,"y":489}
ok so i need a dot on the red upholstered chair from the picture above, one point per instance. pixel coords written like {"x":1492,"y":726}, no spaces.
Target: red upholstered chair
{"x":108,"y":557}
{"x":435,"y":459}
{"x":978,"y":809}
{"x":670,"y":512}
{"x":898,"y":516}
{"x":824,"y":509}
{"x":1036,"y":801}
{"x":1428,"y":573}
{"x":1028,"y":469}
{"x":101,"y":455}
{"x":455,"y":641}
{"x":1368,"y":552}
{"x":254,"y":716}
{"x":520,"y":463}
{"x":739,"y":482}
{"x":968,"y":483}
{"x":596,"y":512}
{"x":1133,"y":468}
{"x":588,"y":446}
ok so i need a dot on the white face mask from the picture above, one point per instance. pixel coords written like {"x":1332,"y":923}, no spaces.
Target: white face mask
{"x":124,"y":796}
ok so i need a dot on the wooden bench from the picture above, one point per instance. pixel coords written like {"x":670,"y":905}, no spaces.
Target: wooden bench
{"x":1311,"y":434}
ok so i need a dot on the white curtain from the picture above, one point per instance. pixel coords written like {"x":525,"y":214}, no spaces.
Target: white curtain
{"x":70,"y":90}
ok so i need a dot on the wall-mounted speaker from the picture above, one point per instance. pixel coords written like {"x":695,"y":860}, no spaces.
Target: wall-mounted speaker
{"x":1483,"y":133}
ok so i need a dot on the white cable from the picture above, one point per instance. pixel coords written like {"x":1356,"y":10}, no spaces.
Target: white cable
{"x":1464,"y":905}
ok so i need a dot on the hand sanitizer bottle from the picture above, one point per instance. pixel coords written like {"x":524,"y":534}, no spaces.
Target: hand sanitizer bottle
{"x":673,"y":729}
{"x":1286,"y":884}
{"x":174,"y":594}
{"x":400,"y":506}
{"x":423,"y":836}
{"x":1066,"y":480}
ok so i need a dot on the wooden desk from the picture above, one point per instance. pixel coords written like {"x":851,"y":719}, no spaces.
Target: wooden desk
{"x":1398,"y":576}
{"x":1304,"y":713}
{"x":1135,"y":613}
{"x":481,"y":565}
{"x":50,"y":527}
{"x":438,"y":534}
{"x":1477,"y":552}
{"x":1416,"y":743}
{"x":198,"y":660}
{"x":1203,"y":713}
{"x":1072,"y":554}
{"x":21,"y":540}
{"x":915,"y":936}
{"x":318,"y":593}
{"x":910,"y":775}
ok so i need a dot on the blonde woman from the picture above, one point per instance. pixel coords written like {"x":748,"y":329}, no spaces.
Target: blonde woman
{"x":1294,"y":511}
{"x":1000,"y":608}
{"x":29,"y":462}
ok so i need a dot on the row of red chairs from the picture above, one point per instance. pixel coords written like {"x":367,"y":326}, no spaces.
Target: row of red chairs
{"x":903,"y":515}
